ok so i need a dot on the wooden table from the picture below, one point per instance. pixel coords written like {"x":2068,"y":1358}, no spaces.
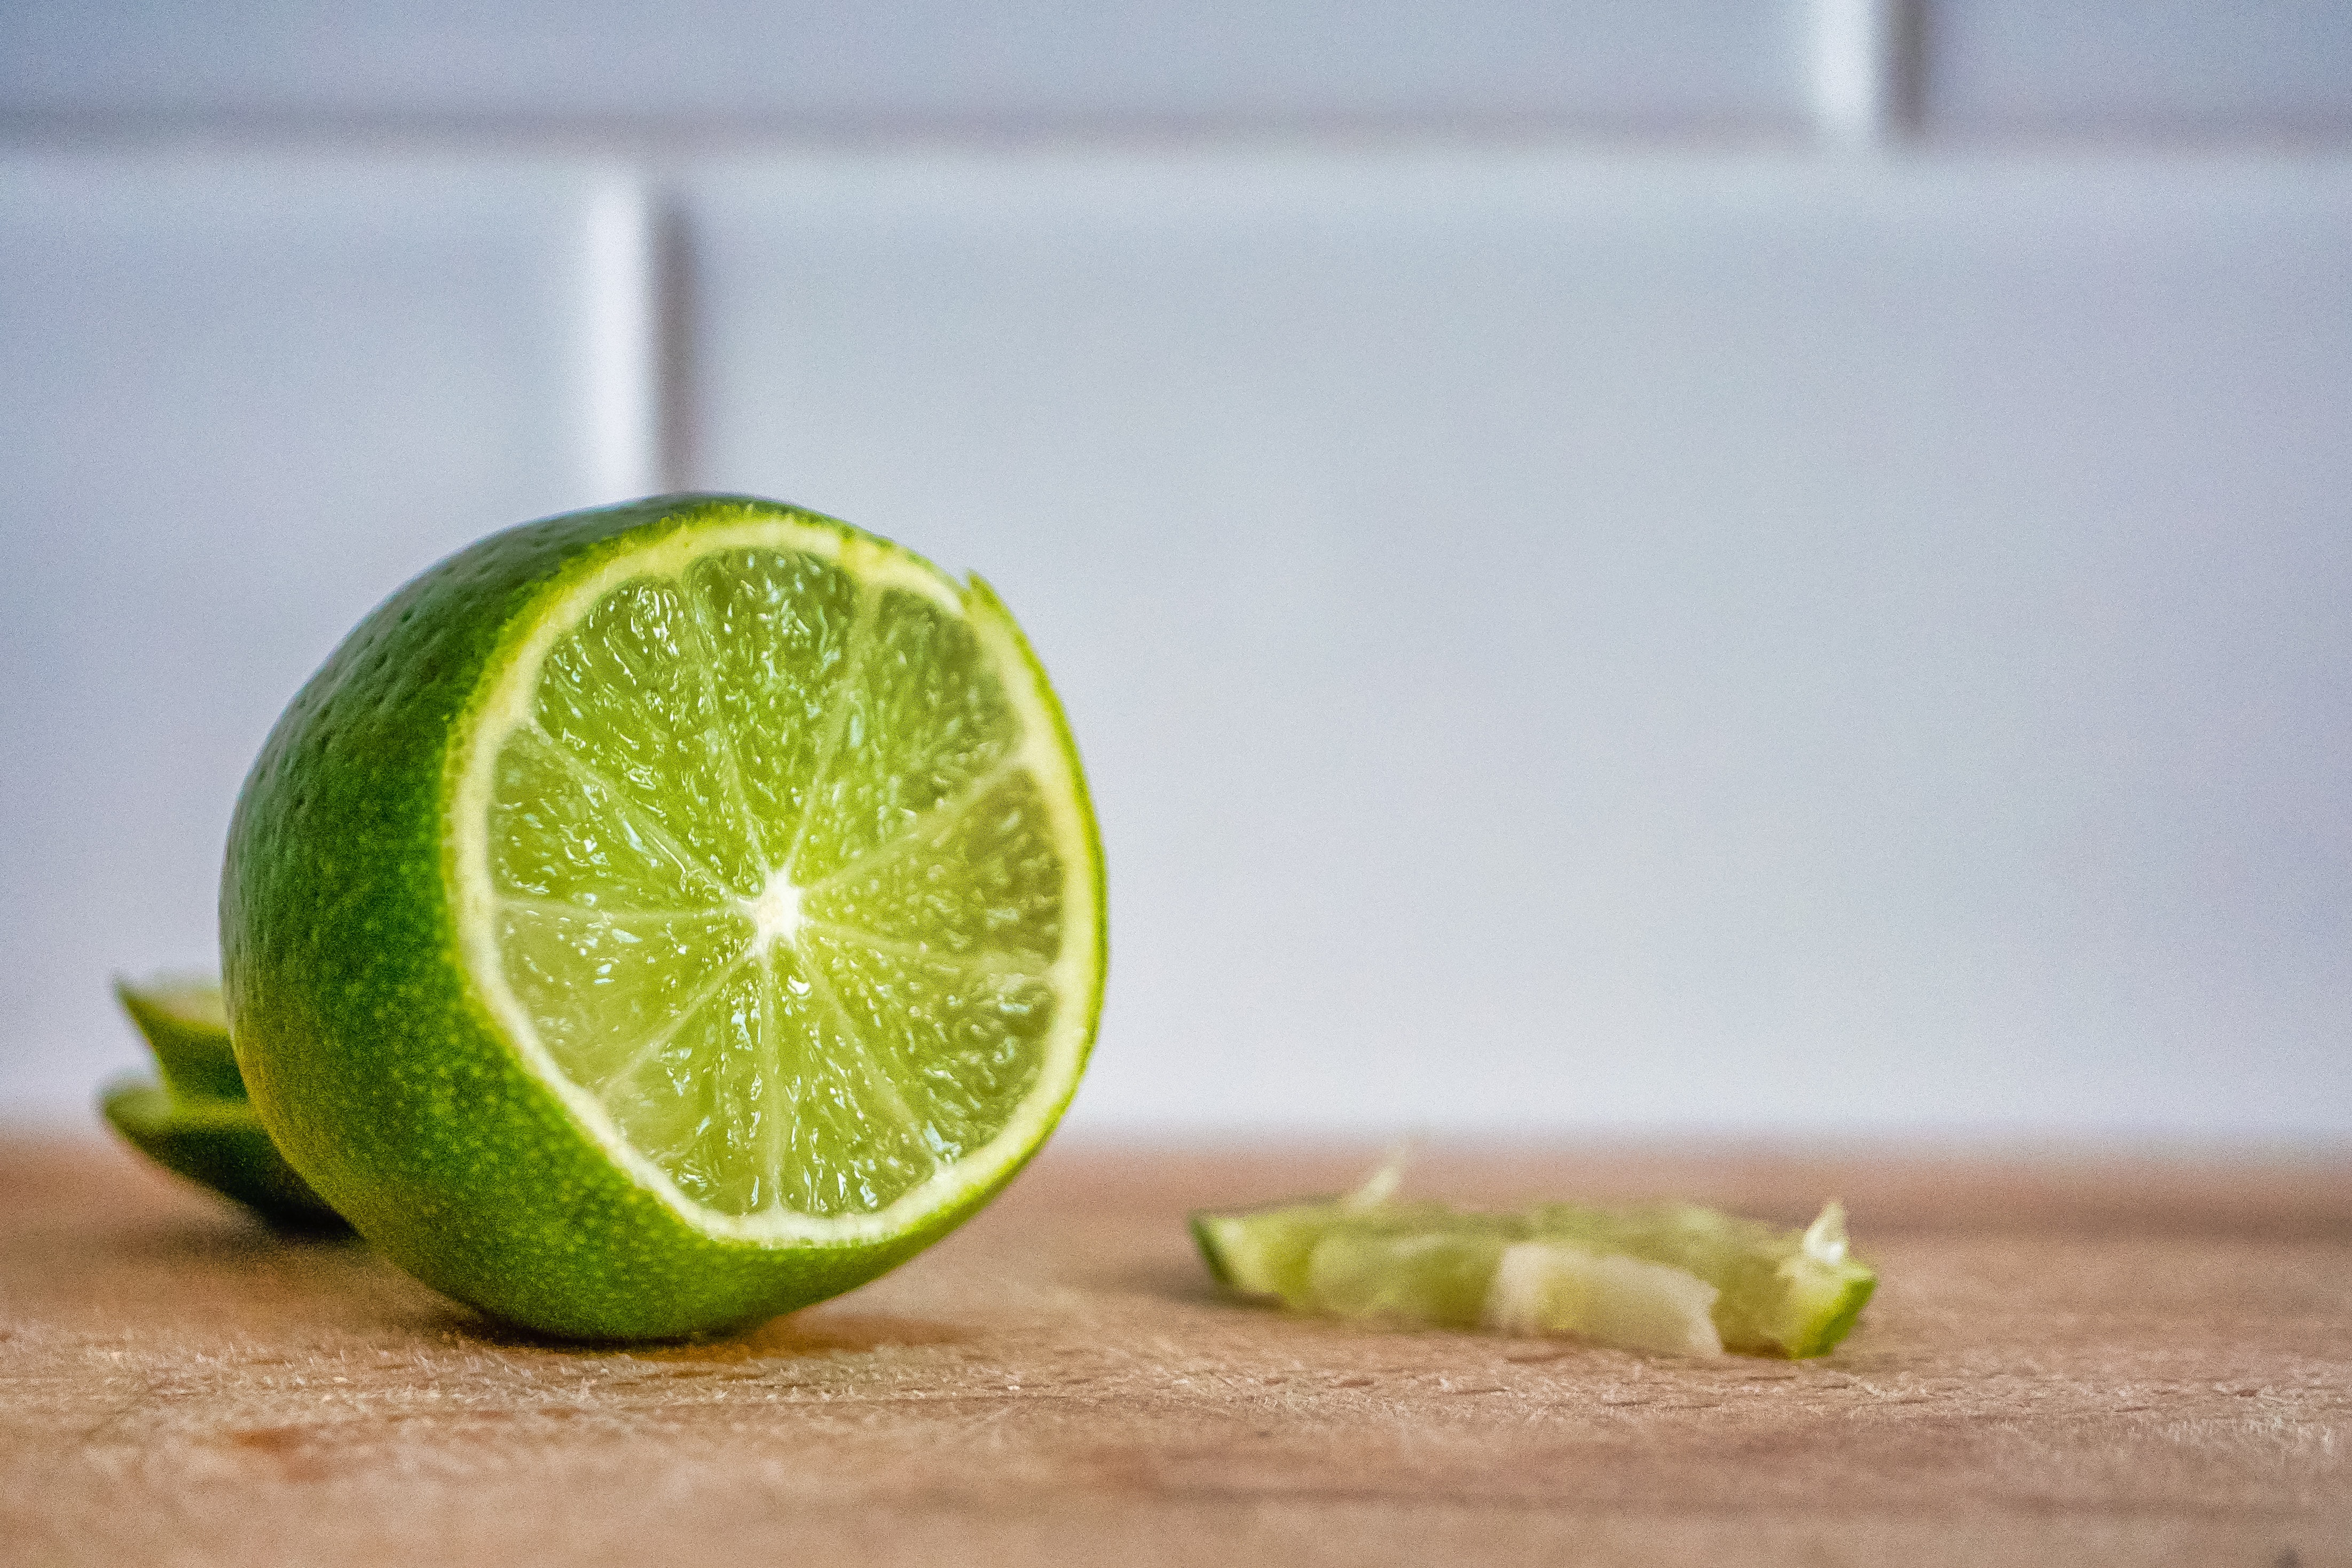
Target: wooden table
{"x":2070,"y":1362}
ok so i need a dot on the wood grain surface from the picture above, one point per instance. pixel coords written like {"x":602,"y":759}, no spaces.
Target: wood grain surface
{"x":2083,"y":1361}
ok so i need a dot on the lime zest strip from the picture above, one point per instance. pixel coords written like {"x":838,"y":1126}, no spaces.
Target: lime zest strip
{"x":1824,"y":1239}
{"x":183,"y":1023}
{"x":1381,"y":1184}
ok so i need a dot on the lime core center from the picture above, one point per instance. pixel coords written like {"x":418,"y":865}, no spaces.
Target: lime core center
{"x":775,"y":913}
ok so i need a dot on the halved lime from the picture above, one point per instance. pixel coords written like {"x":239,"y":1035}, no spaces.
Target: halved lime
{"x":197,"y":1122}
{"x":1669,"y":1277}
{"x":656,"y":918}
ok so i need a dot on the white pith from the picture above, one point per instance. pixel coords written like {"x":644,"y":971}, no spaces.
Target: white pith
{"x":775,"y":913}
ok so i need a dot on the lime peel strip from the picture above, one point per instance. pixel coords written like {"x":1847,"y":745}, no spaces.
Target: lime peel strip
{"x":1672,"y":1278}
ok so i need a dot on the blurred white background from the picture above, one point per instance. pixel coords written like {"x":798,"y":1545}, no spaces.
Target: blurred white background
{"x":1669,"y":566}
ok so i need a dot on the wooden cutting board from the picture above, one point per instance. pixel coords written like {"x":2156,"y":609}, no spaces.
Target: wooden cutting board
{"x":2070,"y":1362}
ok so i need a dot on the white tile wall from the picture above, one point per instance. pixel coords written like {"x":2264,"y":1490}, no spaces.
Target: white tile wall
{"x":1736,"y":642}
{"x":1705,"y":65}
{"x":240,"y":403}
{"x":2246,"y":69}
{"x":1629,"y":635}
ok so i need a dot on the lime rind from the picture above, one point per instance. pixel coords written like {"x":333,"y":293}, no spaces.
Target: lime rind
{"x":197,"y":1122}
{"x":219,"y":1144}
{"x":1437,"y":1277}
{"x":1264,"y":1253}
{"x":1826,"y":1318}
{"x":183,"y":1020}
{"x":1671,"y":1278}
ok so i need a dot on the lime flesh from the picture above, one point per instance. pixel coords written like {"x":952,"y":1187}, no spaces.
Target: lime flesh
{"x":1670,"y":1277}
{"x":656,"y":918}
{"x":776,"y":885}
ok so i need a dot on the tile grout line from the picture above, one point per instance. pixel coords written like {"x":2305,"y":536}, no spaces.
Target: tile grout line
{"x":675,"y":303}
{"x":1863,"y":71}
{"x":621,"y":425}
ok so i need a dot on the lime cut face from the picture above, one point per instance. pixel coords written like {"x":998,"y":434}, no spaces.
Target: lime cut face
{"x":768,"y":843}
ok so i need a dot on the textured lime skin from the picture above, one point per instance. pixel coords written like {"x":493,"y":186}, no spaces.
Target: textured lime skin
{"x":375,"y":1064}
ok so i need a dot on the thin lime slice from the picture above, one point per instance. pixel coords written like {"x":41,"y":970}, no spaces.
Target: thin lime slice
{"x":219,"y":1143}
{"x":1675,"y":1277}
{"x":185,"y":1026}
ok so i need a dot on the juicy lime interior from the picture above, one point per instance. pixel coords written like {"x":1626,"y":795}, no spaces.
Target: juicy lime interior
{"x":775,"y":850}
